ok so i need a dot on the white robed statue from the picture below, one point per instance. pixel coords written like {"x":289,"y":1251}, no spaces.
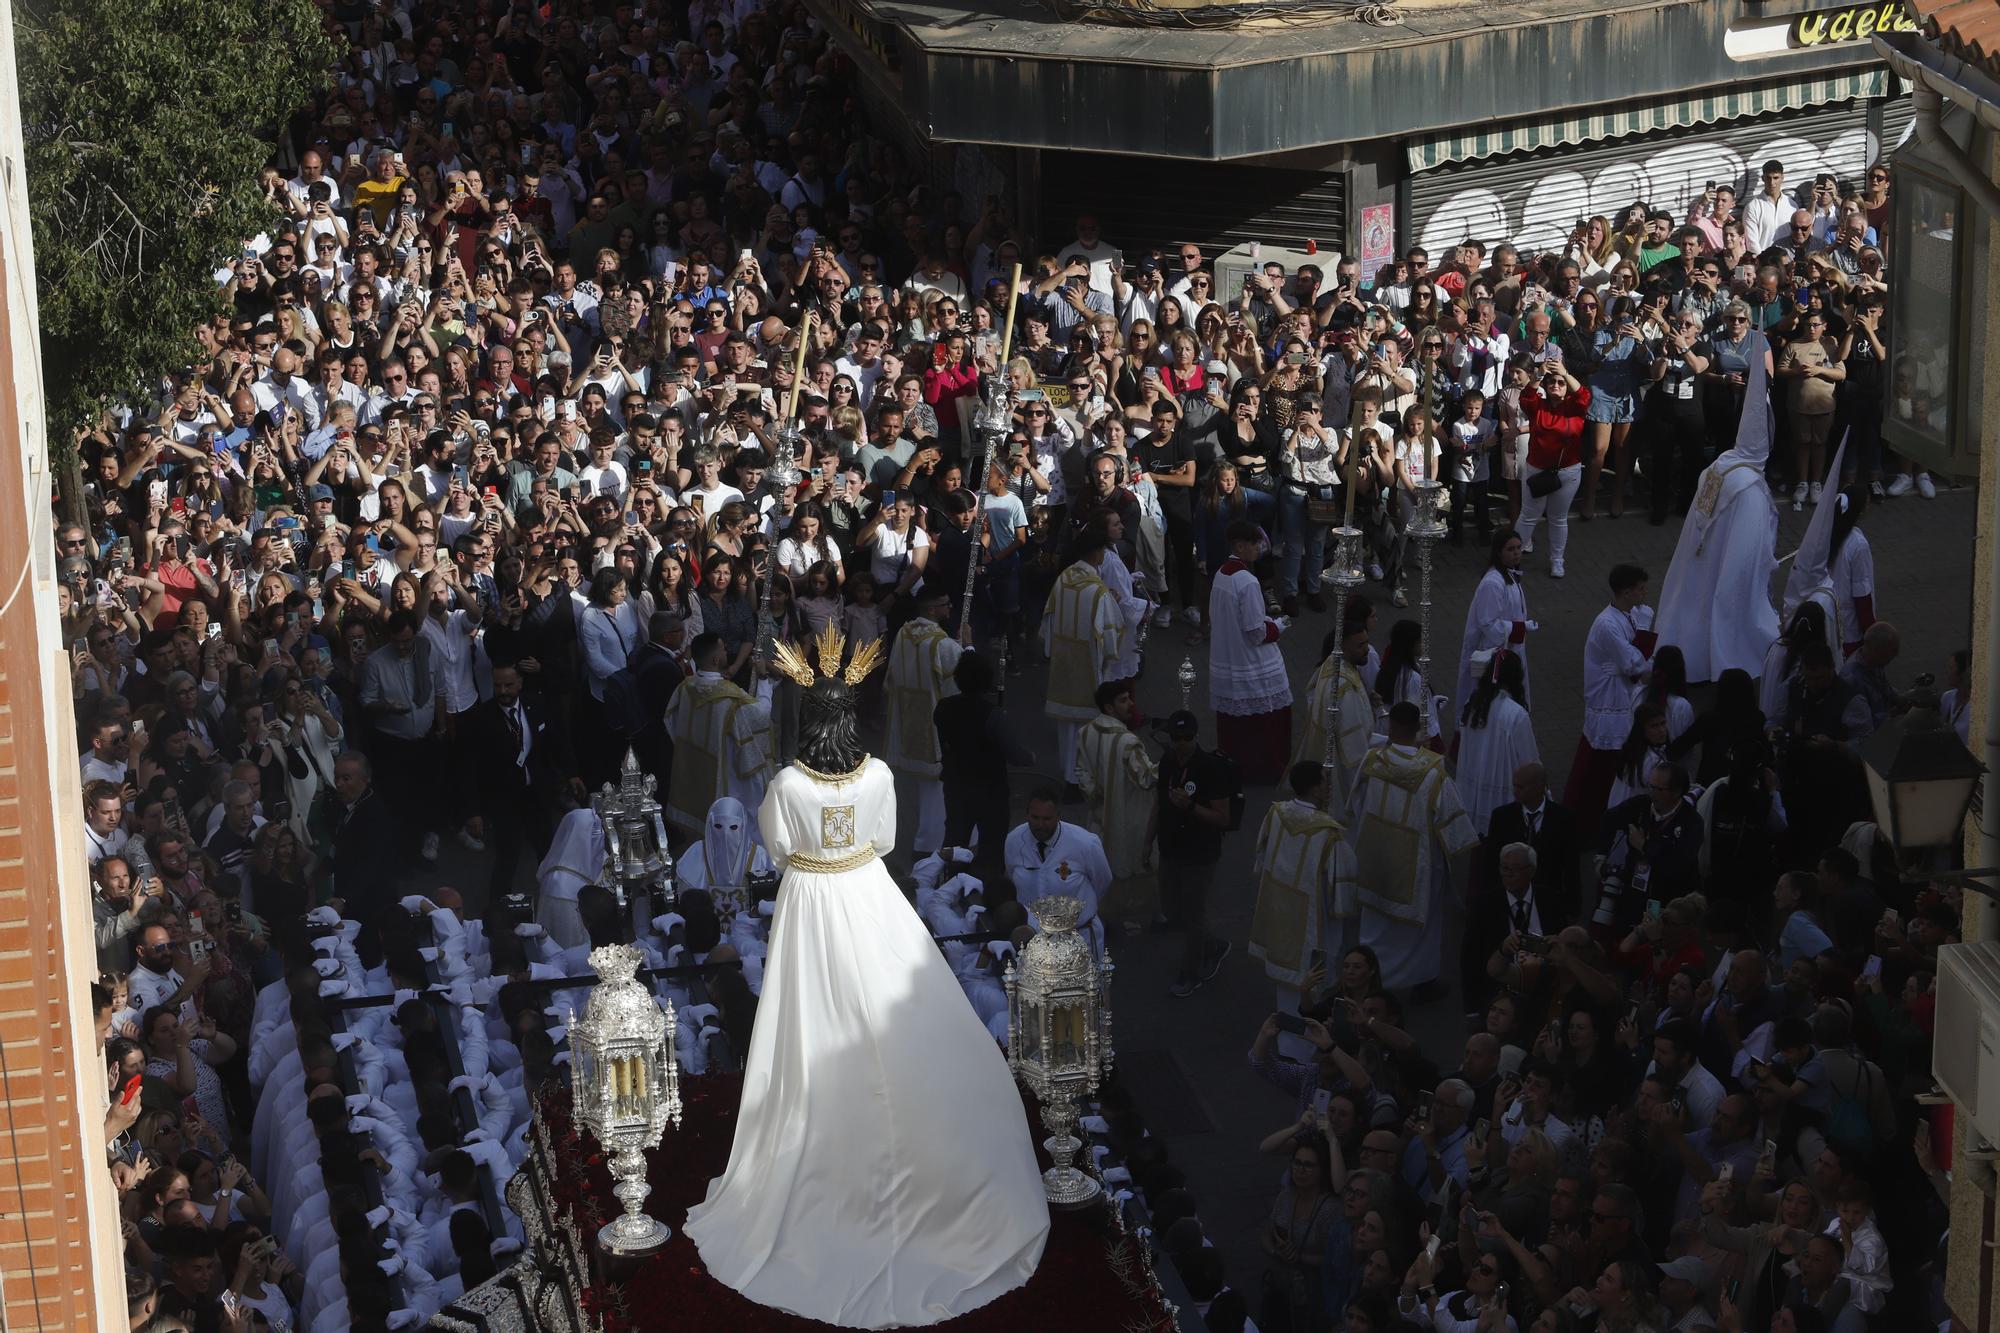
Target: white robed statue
{"x":1407,"y":827}
{"x":1716,"y":603}
{"x":852,"y":1196}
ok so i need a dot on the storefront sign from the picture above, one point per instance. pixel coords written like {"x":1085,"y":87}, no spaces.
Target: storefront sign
{"x":1849,"y":23}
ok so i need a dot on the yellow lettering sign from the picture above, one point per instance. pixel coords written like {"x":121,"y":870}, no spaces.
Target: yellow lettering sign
{"x":1851,"y":23}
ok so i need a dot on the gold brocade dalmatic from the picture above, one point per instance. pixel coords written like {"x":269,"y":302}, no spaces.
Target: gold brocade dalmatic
{"x":1357,"y":723}
{"x":1080,"y":632}
{"x":1305,"y":876}
{"x":920,"y":667}
{"x":1408,"y":818}
{"x":720,"y":733}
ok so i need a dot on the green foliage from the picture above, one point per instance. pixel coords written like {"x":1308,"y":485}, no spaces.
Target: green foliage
{"x":146,"y":124}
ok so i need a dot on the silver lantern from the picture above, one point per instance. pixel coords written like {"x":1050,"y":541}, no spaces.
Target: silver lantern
{"x":626,"y":1087}
{"x":637,"y":865}
{"x":1059,"y":1036}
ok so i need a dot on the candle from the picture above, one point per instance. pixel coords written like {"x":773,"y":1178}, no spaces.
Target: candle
{"x":1352,"y":471}
{"x":798,"y":366}
{"x":1013,"y":304}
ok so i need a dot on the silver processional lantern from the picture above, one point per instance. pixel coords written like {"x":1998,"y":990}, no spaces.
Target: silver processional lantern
{"x":625,"y":1087}
{"x":1059,"y":1036}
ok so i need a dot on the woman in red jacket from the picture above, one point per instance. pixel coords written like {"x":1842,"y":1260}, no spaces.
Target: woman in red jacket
{"x":1555,"y":407}
{"x":950,"y":377}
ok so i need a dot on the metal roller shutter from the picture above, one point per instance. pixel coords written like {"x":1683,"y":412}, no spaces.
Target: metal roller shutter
{"x":1534,"y":198}
{"x":1146,"y":201}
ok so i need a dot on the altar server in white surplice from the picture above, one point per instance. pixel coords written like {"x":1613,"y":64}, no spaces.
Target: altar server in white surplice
{"x":1498,"y":615}
{"x":1495,"y":737}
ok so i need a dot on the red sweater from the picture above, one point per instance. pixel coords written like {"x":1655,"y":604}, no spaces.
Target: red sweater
{"x":944,"y":386}
{"x":1555,"y":430}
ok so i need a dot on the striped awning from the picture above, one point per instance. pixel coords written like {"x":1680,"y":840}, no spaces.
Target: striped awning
{"x":1440,"y":150}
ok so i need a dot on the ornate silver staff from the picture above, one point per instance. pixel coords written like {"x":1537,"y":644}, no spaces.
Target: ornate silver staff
{"x":990,"y":427}
{"x":1427,"y":525}
{"x":1345,"y":574}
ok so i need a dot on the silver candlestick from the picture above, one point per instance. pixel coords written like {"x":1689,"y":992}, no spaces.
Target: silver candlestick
{"x":1345,"y":575}
{"x":1426,"y":527}
{"x":1187,"y":676}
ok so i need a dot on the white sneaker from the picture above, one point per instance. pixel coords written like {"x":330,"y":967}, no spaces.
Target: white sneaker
{"x":1374,"y":571}
{"x":1162,"y":617}
{"x":1799,"y":493}
{"x":1901,"y":484}
{"x":469,"y":842}
{"x":1817,"y":487}
{"x":1556,"y":570}
{"x":430,"y":852}
{"x":1193,"y":615}
{"x":1926,"y":487}
{"x":1527,"y":548}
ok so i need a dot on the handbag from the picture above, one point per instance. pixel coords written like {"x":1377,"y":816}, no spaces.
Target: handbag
{"x":1545,"y":482}
{"x":1321,"y":507}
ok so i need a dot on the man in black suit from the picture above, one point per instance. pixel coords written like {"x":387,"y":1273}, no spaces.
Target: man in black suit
{"x":1515,"y":906}
{"x":365,"y":841}
{"x":1551,"y":829}
{"x":523,"y":768}
{"x":636,"y":696}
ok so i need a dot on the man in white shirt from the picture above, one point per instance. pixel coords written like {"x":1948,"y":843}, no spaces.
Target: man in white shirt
{"x":1614,"y":662}
{"x":1674,"y":1064}
{"x":154,"y":981}
{"x":864,"y":364}
{"x":1092,"y":250}
{"x":103,"y":822}
{"x":1768,"y":211}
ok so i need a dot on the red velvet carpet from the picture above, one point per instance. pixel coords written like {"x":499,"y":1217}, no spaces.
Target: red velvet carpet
{"x":1091,"y":1279}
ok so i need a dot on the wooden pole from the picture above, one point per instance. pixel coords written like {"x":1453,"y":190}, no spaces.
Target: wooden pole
{"x":1013,"y":304}
{"x":798,"y":366}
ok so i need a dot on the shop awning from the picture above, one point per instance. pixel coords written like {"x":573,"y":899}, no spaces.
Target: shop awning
{"x":1441,"y":150}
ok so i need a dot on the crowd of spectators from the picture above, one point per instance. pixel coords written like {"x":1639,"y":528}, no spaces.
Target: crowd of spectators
{"x":492,"y":403}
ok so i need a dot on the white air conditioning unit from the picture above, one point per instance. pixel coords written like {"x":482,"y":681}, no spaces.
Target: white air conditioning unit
{"x":1965,"y":1055}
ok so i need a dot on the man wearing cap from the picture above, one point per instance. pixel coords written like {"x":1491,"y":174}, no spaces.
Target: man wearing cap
{"x":1139,"y":299}
{"x":1247,"y":683}
{"x":1687,"y":1284}
{"x":1197,"y":794}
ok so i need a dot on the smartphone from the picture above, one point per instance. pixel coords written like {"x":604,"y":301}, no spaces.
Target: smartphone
{"x":270,"y":647}
{"x":631,"y":519}
{"x":1322,"y":1098}
{"x":1480,"y":1130}
{"x":1316,"y":959}
{"x":1292,"y":1023}
{"x":888,"y":498}
{"x":1770,"y":1153}
{"x":156,"y":490}
{"x":1652,"y":909}
{"x":1423,"y":1106}
{"x":232,"y":912}
{"x":1431,"y":1247}
{"x":1873,"y":967}
{"x":490,"y":490}
{"x":1538,"y":945}
{"x":131,"y":1089}
{"x":1725,"y":1173}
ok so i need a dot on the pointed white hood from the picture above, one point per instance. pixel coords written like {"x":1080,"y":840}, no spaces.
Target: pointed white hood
{"x":1755,"y":427}
{"x":1808,"y":573}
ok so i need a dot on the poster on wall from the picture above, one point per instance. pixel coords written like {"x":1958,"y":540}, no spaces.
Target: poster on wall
{"x":1378,"y":241}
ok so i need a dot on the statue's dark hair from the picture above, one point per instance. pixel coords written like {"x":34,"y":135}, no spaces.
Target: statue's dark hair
{"x":829,"y":742}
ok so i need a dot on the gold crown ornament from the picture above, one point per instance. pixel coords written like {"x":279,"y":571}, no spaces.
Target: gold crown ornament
{"x":831,"y":646}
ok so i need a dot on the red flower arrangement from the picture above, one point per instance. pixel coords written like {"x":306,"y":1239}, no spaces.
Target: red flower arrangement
{"x":1091,"y":1278}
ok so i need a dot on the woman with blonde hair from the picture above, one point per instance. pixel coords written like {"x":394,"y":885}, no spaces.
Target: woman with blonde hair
{"x":1592,"y":249}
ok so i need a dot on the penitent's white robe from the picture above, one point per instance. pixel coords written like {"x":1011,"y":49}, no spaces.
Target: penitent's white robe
{"x":1488,"y":756}
{"x":883,"y":1173}
{"x":1716,"y":603}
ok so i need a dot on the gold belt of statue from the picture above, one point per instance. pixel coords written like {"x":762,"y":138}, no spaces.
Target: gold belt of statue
{"x":834,"y":865}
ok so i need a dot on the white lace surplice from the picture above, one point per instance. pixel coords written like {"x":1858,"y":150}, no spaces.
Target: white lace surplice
{"x":882,"y":1172}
